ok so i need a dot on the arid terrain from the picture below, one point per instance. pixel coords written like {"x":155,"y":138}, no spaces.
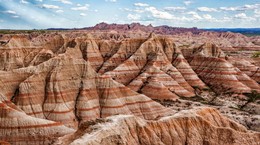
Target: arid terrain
{"x":129,"y":84}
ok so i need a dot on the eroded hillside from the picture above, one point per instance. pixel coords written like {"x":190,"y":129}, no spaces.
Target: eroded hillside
{"x":55,"y":83}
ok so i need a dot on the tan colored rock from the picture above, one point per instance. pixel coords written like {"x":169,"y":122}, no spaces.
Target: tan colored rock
{"x":18,"y":128}
{"x":150,"y":60}
{"x":73,"y":77}
{"x":198,"y":126}
{"x":210,"y":64}
{"x":66,"y":89}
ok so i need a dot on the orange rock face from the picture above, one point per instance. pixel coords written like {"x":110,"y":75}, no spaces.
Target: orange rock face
{"x":200,"y":126}
{"x":210,"y":64}
{"x":52,"y":83}
{"x":19,"y":128}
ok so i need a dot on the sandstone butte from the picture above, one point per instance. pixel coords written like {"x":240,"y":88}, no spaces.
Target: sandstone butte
{"x":117,"y":84}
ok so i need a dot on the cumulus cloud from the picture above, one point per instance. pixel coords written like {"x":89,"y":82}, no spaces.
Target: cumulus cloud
{"x":178,"y":13}
{"x":133,"y":17}
{"x":65,"y":1}
{"x":241,"y":8}
{"x":113,"y":1}
{"x":241,"y":16}
{"x":206,"y":9}
{"x":207,"y":16}
{"x":226,"y":19}
{"x":81,"y":8}
{"x":141,"y":4}
{"x":59,"y":11}
{"x":228,"y":8}
{"x":257,"y":13}
{"x":195,"y":15}
{"x":10,"y":12}
{"x":24,"y":2}
{"x":82,"y":14}
{"x":159,"y":14}
{"x":250,"y":7}
{"x":174,"y":9}
{"x":46,"y":6}
{"x":15,"y":16}
{"x":134,"y":10}
{"x":187,"y":2}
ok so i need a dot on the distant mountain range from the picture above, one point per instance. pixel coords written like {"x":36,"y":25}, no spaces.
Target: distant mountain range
{"x":164,"y":29}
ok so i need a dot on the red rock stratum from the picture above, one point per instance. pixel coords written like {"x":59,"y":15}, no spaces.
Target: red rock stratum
{"x":127,"y":86}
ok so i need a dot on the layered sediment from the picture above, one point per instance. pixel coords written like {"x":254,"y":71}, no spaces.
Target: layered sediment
{"x":199,"y":126}
{"x":53,"y":83}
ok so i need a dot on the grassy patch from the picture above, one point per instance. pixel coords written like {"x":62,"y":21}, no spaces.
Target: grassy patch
{"x":256,"y":54}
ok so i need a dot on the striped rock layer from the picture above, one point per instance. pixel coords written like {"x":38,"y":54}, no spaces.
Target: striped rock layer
{"x":152,"y":68}
{"x":193,"y":127}
{"x":251,"y":70}
{"x":210,"y":63}
{"x":16,"y":127}
{"x":53,"y":81}
{"x":66,"y":89}
{"x":153,"y":63}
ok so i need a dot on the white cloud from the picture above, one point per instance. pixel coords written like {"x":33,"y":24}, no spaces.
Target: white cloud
{"x":257,"y":13}
{"x":15,"y":16}
{"x":206,"y":9}
{"x":139,"y":10}
{"x":159,"y":14}
{"x":10,"y":12}
{"x":23,"y":2}
{"x":175,"y":9}
{"x":65,"y":1}
{"x":35,"y":18}
{"x":241,"y":8}
{"x":39,"y":0}
{"x":244,"y":17}
{"x":135,"y":10}
{"x":59,"y":11}
{"x":226,"y":19}
{"x":195,"y":15}
{"x":141,"y":4}
{"x":250,"y":7}
{"x":81,"y":8}
{"x":82,"y":14}
{"x":207,"y":17}
{"x":240,"y":16}
{"x":46,"y":6}
{"x":187,"y":2}
{"x":113,"y":1}
{"x":133,"y":17}
{"x":228,"y":8}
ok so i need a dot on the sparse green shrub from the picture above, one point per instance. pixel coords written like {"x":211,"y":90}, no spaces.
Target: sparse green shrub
{"x":256,"y":54}
{"x":253,"y":96}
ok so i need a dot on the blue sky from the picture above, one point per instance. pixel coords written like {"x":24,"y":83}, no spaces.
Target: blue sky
{"x":40,"y":14}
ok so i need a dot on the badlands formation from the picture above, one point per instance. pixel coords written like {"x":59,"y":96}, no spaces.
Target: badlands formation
{"x":129,"y":84}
